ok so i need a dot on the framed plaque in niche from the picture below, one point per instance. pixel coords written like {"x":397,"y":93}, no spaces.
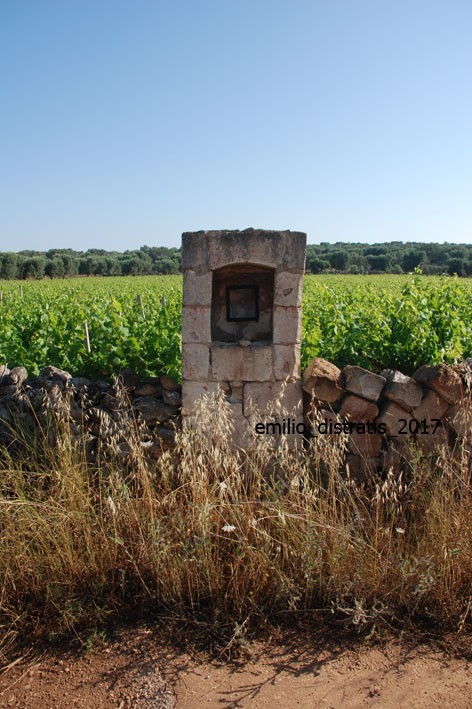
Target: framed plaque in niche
{"x":242,"y":303}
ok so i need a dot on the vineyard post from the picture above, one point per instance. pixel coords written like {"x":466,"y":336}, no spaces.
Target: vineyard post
{"x":21,"y":290}
{"x":140,"y":303}
{"x":87,"y":338}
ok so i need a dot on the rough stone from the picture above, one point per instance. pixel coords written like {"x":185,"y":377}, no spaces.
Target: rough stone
{"x":397,"y":456}
{"x":129,"y":379}
{"x":322,"y":380}
{"x":365,"y":444}
{"x":432,"y":406}
{"x":53,"y":374}
{"x":357,"y":409}
{"x":4,"y":371}
{"x":168,"y":383}
{"x":79,"y":382}
{"x":459,"y":419}
{"x":8,"y":390}
{"x":148,"y":388}
{"x":153,"y":410}
{"x":17,"y":376}
{"x":165,"y":440}
{"x":173,"y":398}
{"x":362,"y":467}
{"x":403,"y":390}
{"x":429,"y":444}
{"x":442,"y":379}
{"x":395,"y":419}
{"x":362,"y":382}
{"x":5,"y":414}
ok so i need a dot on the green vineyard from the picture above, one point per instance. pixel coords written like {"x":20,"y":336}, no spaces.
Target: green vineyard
{"x":373,"y":321}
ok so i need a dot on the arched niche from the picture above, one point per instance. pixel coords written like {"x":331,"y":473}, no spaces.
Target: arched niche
{"x":242,"y":303}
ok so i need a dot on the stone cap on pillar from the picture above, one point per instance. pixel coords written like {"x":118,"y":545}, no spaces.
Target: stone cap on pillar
{"x":211,"y":250}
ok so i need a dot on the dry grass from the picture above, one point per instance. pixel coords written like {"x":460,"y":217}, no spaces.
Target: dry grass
{"x":225,"y":538}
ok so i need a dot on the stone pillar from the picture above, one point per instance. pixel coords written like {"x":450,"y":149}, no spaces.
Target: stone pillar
{"x":241,"y":331}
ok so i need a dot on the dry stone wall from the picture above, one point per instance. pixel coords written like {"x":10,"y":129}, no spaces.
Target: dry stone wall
{"x":114,"y":417}
{"x":384,"y":418}
{"x":388,"y":418}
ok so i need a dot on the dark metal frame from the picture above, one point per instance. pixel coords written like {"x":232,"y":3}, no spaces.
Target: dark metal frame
{"x":255,"y":290}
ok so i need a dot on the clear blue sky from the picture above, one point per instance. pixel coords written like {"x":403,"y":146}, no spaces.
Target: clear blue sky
{"x":127,"y":122}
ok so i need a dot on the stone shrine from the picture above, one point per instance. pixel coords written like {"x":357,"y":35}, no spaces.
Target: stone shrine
{"x":241,"y":329}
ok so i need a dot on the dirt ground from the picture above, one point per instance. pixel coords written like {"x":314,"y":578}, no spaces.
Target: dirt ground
{"x":143,"y":667}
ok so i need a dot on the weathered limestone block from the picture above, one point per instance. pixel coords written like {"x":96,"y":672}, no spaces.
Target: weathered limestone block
{"x":357,"y":408}
{"x":242,"y":433}
{"x":236,"y":392}
{"x":209,"y":250}
{"x":286,"y":361}
{"x":432,"y":406}
{"x":403,"y":390}
{"x":197,"y":288}
{"x":362,"y":382}
{"x":283,"y":250}
{"x":322,"y":380}
{"x":4,"y":371}
{"x":252,"y":363}
{"x":193,"y":391}
{"x":367,"y":445}
{"x":287,"y":325}
{"x":288,"y":289}
{"x":196,"y":362}
{"x":194,"y":251}
{"x":442,"y":379}
{"x":395,"y":419}
{"x":262,"y":398}
{"x":196,"y":324}
{"x":236,"y":408}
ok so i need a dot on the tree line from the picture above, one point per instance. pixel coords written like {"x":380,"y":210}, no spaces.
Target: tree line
{"x":393,"y":257}
{"x":63,"y":263}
